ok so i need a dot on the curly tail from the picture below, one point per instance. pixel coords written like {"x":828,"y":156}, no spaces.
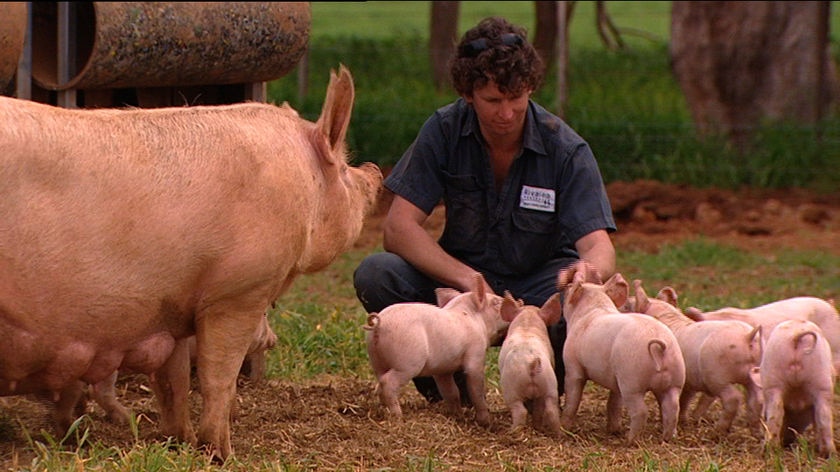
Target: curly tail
{"x":806,"y":347}
{"x":656,"y":349}
{"x":372,"y":322}
{"x":370,"y":325}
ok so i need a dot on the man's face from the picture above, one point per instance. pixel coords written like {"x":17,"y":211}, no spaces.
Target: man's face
{"x":499,"y":115}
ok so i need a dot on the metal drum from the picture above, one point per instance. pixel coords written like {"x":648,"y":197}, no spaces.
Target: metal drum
{"x":159,"y":44}
{"x":12,"y":33}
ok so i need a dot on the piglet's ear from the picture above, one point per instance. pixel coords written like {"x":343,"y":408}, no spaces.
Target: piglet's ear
{"x":510,"y":307}
{"x":668,"y":295}
{"x":587,"y":271}
{"x":592,"y":274}
{"x":567,"y":275}
{"x":642,"y":301}
{"x":617,"y":289}
{"x":444,"y":295}
{"x":694,"y":313}
{"x":552,"y":309}
{"x":574,"y":290}
{"x":479,"y":291}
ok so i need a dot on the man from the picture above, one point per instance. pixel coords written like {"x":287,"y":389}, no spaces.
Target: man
{"x":522,"y":191}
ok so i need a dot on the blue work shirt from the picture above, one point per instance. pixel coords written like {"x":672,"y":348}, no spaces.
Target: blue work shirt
{"x":553,"y":195}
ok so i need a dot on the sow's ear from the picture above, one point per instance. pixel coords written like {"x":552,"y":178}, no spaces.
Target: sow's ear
{"x":331,"y":127}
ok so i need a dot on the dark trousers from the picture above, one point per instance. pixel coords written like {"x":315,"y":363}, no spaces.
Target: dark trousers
{"x":383,"y":279}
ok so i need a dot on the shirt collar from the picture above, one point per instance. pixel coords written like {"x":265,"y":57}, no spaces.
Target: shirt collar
{"x":531,"y":136}
{"x":531,"y":139}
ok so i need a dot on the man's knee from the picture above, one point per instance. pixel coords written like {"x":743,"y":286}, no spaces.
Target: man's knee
{"x":383,"y":279}
{"x":369,"y":281}
{"x":365,"y":275}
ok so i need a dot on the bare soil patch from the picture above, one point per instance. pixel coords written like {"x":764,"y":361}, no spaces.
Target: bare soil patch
{"x":336,"y":423}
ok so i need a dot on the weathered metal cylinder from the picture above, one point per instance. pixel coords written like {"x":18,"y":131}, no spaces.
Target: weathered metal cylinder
{"x":159,"y":44}
{"x":12,"y":33}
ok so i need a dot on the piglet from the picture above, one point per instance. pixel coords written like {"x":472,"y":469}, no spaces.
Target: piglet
{"x":526,"y":364}
{"x":719,"y":356}
{"x":821,"y":312}
{"x":104,"y":393}
{"x":628,"y":353}
{"x":797,"y":377}
{"x":408,"y":340}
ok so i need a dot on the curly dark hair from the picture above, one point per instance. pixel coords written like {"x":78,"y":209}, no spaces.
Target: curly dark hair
{"x":496,"y":50}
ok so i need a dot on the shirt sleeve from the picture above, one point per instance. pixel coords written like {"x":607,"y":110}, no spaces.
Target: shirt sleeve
{"x":584,"y":206}
{"x":418,"y":175}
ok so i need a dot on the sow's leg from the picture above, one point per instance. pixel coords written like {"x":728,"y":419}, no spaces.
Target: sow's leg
{"x":223,"y":334}
{"x":171,"y":386}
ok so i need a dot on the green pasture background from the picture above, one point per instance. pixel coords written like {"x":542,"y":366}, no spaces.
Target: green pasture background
{"x":627,"y":103}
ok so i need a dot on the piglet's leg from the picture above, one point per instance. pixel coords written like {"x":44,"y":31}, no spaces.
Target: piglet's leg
{"x":574,"y":391}
{"x":730,"y":399}
{"x":537,"y":407}
{"x":824,"y":424}
{"x":773,"y":416}
{"x":449,"y":391}
{"x":551,"y":415}
{"x":754,"y":406}
{"x":614,"y":406}
{"x":171,"y":385}
{"x":105,"y":395}
{"x":636,"y":408}
{"x":518,"y":414}
{"x":65,"y":408}
{"x":390,"y":383}
{"x":700,"y":409}
{"x":475,"y":386}
{"x":669,"y":409}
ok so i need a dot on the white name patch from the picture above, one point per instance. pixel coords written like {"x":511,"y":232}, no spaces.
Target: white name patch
{"x":536,"y":198}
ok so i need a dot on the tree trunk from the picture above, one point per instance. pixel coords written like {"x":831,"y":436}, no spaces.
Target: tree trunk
{"x":606,"y":28}
{"x":741,"y":63}
{"x":442,"y":40}
{"x":545,"y":36}
{"x":562,"y":62}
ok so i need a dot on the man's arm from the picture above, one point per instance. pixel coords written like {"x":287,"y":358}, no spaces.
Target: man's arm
{"x":597,"y":249}
{"x":405,"y":236}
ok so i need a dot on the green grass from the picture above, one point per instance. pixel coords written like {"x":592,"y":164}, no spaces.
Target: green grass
{"x":77,"y":452}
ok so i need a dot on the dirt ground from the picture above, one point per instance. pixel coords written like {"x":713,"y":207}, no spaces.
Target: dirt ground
{"x":336,"y":423}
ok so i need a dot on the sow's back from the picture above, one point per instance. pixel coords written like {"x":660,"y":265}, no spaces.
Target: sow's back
{"x":122,"y":232}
